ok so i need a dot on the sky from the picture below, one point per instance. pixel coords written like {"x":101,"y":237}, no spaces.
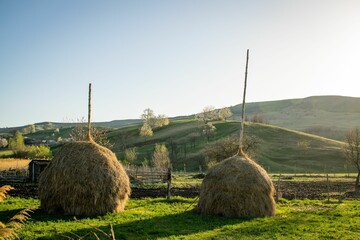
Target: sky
{"x":175,"y":57}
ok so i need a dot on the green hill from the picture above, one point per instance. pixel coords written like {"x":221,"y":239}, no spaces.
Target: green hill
{"x":328,"y":116}
{"x":278,"y":152}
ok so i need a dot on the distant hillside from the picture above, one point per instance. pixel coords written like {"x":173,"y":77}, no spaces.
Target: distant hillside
{"x":328,"y":116}
{"x":279,"y":150}
{"x":53,"y":125}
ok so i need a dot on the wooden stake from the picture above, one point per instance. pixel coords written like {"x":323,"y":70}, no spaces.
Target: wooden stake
{"x":243,"y":104}
{"x":89,"y":115}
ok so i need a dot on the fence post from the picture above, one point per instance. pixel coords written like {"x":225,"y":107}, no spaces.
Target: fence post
{"x":328,"y":188}
{"x":278,"y":192}
{"x":169,"y":184}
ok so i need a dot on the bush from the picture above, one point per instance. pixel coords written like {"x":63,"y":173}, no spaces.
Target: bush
{"x":39,"y":152}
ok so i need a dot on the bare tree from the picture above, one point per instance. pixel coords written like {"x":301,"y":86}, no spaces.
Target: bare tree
{"x":209,"y":131}
{"x":227,"y":147}
{"x":351,"y":150}
{"x":98,"y":134}
{"x":148,"y":117}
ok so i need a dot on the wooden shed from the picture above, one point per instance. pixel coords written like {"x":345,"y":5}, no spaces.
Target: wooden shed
{"x":36,"y":167}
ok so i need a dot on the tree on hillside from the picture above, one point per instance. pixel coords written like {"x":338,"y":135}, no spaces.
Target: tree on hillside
{"x":130,"y":155}
{"x":351,"y":150}
{"x":224,"y":113}
{"x":146,"y":130}
{"x":3,"y":143}
{"x":17,"y":143}
{"x":148,"y":117}
{"x":208,"y":114}
{"x":258,"y":118}
{"x":209,"y":130}
{"x":150,"y":122}
{"x":224,"y":148}
{"x":161,"y":160}
{"x":29,"y":129}
{"x":124,"y":136}
{"x":193,"y":137}
{"x":160,"y":121}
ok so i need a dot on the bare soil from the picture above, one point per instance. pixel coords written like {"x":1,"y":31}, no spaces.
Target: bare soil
{"x":288,"y":189}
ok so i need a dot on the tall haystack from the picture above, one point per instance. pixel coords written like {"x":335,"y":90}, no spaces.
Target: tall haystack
{"x":84,"y":178}
{"x":237,"y":186}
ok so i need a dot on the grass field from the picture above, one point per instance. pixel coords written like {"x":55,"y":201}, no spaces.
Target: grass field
{"x":278,"y":150}
{"x":157,"y":219}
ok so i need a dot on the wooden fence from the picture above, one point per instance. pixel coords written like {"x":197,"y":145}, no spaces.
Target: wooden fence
{"x":147,"y":177}
{"x":13,"y":176}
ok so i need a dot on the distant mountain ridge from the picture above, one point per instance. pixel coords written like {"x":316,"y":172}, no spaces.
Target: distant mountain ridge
{"x":328,"y":116}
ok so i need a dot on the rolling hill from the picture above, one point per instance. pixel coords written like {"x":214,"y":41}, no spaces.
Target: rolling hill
{"x":279,"y":149}
{"x":328,"y":116}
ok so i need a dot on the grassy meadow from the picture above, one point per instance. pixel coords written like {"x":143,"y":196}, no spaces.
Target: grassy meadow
{"x":278,"y":151}
{"x":6,"y":153}
{"x":157,"y":219}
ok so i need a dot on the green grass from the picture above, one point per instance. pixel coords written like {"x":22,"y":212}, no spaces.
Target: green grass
{"x":157,"y":219}
{"x":6,"y":153}
{"x":278,"y":152}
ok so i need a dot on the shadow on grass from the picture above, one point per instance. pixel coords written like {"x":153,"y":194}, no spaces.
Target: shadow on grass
{"x":190,"y":223}
{"x":152,"y":228}
{"x":7,"y":214}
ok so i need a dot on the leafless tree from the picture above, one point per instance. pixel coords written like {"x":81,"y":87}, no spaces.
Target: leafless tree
{"x":227,"y":147}
{"x":98,"y":134}
{"x":351,"y":150}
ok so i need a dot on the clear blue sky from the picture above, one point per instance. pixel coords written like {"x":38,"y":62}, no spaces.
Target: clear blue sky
{"x":175,"y":57}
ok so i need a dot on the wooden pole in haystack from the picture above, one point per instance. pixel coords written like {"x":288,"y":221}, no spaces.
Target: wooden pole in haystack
{"x":89,"y":115}
{"x":243,"y":105}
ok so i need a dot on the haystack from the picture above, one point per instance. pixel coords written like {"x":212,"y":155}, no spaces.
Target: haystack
{"x":237,"y":187}
{"x":84,"y":178}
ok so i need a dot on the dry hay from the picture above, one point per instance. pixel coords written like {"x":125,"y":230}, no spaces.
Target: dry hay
{"x":84,"y":178}
{"x":14,"y":163}
{"x":237,"y":187}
